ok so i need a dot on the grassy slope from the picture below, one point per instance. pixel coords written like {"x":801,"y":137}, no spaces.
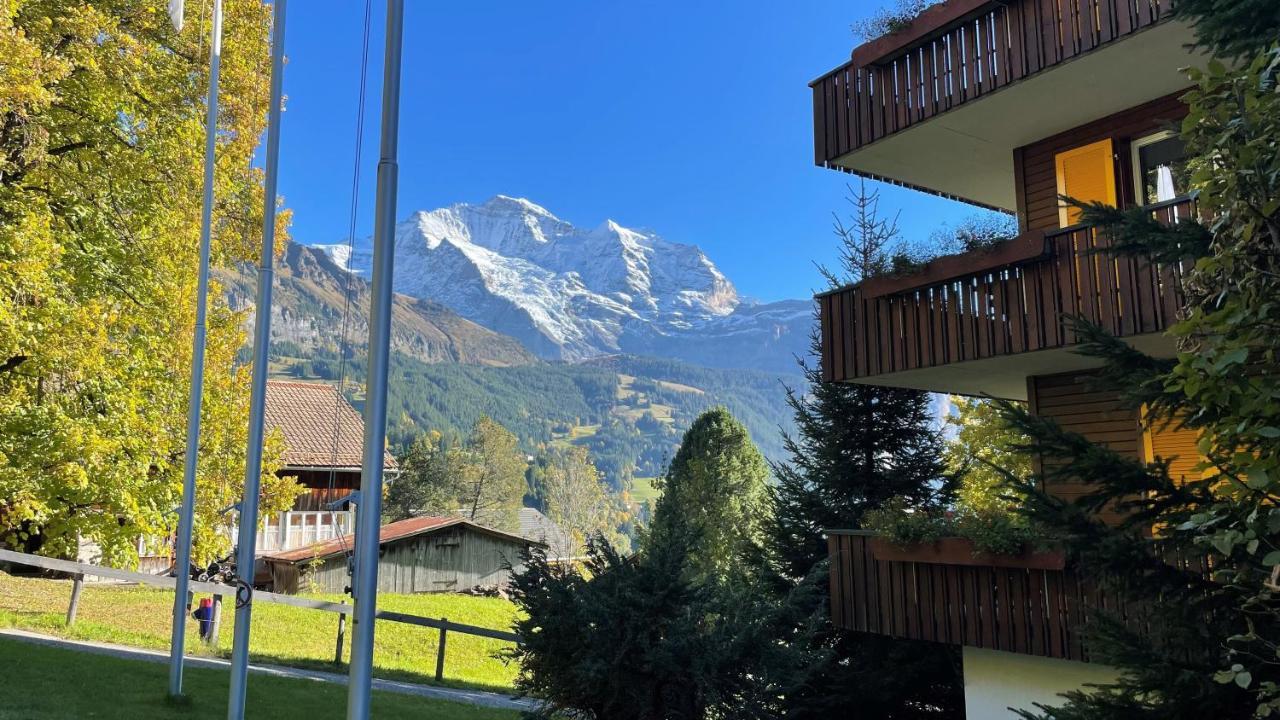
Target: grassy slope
{"x":642,"y":489}
{"x":42,"y":683}
{"x":281,"y":634}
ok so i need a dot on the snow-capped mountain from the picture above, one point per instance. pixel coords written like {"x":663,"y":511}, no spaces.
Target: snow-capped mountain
{"x":572,"y":294}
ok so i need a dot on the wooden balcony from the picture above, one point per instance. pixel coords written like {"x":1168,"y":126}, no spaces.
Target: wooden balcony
{"x":956,"y":53}
{"x":999,"y":303}
{"x":1030,"y":608}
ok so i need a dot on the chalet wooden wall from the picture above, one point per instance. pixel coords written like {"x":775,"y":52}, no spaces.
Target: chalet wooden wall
{"x":1034,"y":166}
{"x":1071,"y":400}
{"x":450,"y":560}
{"x":318,"y":493}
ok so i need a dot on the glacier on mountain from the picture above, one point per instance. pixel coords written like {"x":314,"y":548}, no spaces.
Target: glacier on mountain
{"x":571,"y":294}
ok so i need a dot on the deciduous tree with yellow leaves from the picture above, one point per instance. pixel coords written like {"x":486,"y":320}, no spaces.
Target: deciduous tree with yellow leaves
{"x":101,"y":140}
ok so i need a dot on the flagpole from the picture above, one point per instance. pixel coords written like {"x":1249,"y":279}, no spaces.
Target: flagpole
{"x":186,"y":514}
{"x":369,"y":520}
{"x":246,"y":549}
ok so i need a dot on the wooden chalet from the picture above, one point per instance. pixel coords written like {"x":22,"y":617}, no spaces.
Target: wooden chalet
{"x":1007,"y":105}
{"x":324,"y":446}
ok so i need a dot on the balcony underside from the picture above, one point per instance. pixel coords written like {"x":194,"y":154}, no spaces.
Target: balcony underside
{"x":1006,"y":376}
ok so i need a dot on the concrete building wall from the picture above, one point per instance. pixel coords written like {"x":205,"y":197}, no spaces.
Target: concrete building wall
{"x":995,"y":681}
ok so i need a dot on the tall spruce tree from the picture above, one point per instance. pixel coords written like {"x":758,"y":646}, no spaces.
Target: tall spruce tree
{"x":857,"y":447}
{"x":1191,"y":645}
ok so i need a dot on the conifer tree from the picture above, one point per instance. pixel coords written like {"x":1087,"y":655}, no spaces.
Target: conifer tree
{"x":856,"y":448}
{"x":716,"y":486}
{"x":677,"y":630}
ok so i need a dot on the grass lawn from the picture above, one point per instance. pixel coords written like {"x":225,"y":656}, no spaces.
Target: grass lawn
{"x":41,"y":683}
{"x":282,"y":635}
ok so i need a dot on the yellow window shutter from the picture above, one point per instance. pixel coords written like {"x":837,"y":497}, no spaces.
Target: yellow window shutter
{"x":1086,"y":173}
{"x":1174,"y":442}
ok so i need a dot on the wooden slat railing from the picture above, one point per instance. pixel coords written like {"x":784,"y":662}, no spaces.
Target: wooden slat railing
{"x":999,"y":308}
{"x":1023,"y":610}
{"x":869,"y":98}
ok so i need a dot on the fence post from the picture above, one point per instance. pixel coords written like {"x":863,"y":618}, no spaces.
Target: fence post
{"x":216,"y":620}
{"x":444,"y":623}
{"x":77,"y":584}
{"x":342,"y":632}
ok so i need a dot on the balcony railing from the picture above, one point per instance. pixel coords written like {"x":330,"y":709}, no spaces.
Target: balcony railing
{"x":1010,"y":300}
{"x":963,"y":51}
{"x":299,"y":528}
{"x":1030,"y":610}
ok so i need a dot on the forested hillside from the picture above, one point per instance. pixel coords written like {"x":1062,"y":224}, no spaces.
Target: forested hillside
{"x":629,"y":412}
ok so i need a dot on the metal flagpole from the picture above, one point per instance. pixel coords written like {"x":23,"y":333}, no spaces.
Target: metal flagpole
{"x":246,"y":544}
{"x":368,"y":520}
{"x":187,"y":511}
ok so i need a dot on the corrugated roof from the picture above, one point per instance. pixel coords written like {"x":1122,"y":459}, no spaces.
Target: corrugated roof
{"x":393,"y":531}
{"x":310,"y":416}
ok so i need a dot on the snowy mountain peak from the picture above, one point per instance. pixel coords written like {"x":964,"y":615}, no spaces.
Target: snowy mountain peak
{"x":566,"y":293}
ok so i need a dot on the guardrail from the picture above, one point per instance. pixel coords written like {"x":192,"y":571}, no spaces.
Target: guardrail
{"x":1021,"y":607}
{"x":961,"y":59}
{"x":1011,"y":306}
{"x":79,"y":570}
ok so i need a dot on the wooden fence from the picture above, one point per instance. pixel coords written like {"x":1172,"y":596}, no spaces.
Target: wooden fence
{"x":79,"y":570}
{"x":1025,"y":610}
{"x":965,"y":57}
{"x":1010,"y":303}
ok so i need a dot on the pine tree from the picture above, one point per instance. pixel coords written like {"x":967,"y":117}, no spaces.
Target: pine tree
{"x":856,"y":448}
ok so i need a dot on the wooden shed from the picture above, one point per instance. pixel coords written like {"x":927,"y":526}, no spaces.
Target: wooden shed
{"x":421,"y":554}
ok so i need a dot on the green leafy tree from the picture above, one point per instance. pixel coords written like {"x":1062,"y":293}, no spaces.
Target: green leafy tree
{"x":492,"y":474}
{"x":101,"y":138}
{"x":856,"y":449}
{"x":576,"y":496}
{"x":430,"y":480}
{"x":716,"y":485}
{"x":1211,"y":643}
{"x":984,"y":447}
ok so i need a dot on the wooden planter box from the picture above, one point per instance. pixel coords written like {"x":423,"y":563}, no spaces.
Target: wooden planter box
{"x":959,"y":551}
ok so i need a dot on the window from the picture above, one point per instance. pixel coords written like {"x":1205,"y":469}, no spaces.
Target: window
{"x":1087,"y":174}
{"x":1159,"y":168}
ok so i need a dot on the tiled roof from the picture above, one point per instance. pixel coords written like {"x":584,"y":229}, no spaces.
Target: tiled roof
{"x":393,"y":531}
{"x":311,"y":415}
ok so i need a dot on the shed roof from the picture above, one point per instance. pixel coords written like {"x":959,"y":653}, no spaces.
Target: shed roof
{"x":391,"y":532}
{"x":311,"y":416}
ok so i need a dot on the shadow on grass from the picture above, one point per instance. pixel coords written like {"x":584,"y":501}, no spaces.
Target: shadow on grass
{"x":426,"y":677}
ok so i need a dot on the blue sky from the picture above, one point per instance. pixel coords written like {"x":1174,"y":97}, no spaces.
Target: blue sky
{"x":688,"y":118}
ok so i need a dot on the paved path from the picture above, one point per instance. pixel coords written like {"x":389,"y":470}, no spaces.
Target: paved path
{"x":471,"y":697}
